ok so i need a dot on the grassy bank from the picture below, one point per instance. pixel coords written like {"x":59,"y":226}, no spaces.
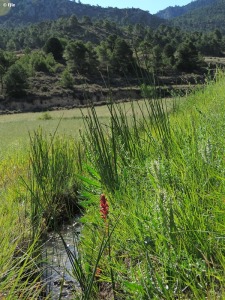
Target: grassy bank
{"x":31,"y":177}
{"x":160,"y":233}
{"x":164,"y":181}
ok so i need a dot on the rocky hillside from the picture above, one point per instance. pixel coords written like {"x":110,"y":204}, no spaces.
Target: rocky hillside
{"x":199,"y":15}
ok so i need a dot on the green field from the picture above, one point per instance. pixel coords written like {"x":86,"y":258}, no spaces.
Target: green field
{"x":15,"y":128}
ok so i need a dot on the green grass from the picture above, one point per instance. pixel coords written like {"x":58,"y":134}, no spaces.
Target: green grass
{"x":21,"y":179}
{"x":162,"y":170}
{"x":165,"y":182}
{"x":19,"y":272}
{"x":52,"y":181}
{"x":15,"y":128}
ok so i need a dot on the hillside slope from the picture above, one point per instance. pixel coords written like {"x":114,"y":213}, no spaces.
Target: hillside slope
{"x":196,"y":20}
{"x":33,"y":11}
{"x":176,"y":11}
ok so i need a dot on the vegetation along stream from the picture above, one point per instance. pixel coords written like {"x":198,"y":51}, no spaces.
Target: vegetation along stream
{"x":112,"y":121}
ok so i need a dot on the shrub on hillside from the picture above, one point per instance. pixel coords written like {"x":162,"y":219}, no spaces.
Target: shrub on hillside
{"x":15,"y":80}
{"x":54,"y":46}
{"x":67,"y":80}
{"x":42,"y":63}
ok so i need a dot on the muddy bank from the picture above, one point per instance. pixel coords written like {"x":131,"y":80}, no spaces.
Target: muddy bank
{"x":68,"y":99}
{"x":82,"y":97}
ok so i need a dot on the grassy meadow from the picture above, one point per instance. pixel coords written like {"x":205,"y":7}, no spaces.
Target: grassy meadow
{"x":150,"y":181}
{"x":15,"y":128}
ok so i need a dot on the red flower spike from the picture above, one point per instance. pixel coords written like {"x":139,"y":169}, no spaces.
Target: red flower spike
{"x":104,"y":206}
{"x":98,"y":273}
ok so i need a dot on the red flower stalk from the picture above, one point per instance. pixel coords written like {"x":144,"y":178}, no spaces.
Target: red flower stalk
{"x":98,"y":273}
{"x":104,"y":206}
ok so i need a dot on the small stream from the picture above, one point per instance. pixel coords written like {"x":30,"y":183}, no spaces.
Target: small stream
{"x":60,"y":283}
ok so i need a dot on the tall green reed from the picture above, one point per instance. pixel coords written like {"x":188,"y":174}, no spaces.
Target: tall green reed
{"x":169,"y":192}
{"x":124,"y":138}
{"x":53,"y":185}
{"x":21,"y":276}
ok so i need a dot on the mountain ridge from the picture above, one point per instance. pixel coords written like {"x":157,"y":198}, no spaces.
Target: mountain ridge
{"x":33,"y":11}
{"x":177,"y":11}
{"x":196,"y":19}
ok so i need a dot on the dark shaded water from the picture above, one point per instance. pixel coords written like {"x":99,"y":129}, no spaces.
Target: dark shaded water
{"x":60,"y":282}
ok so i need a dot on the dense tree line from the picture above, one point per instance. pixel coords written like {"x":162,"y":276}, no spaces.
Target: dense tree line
{"x":176,"y":11}
{"x":70,"y":29}
{"x":205,"y":19}
{"x":28,"y":12}
{"x":69,"y":46}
